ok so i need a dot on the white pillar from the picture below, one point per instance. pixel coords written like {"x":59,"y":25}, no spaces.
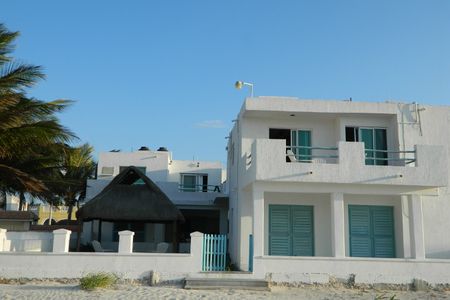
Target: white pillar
{"x":126,"y":241}
{"x":197,"y":250}
{"x":258,"y":222}
{"x":405,"y":221}
{"x":2,"y":239}
{"x":337,"y":225}
{"x":416,"y":227}
{"x":61,"y":240}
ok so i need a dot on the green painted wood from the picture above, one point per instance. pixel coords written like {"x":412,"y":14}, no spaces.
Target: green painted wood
{"x":371,"y":231}
{"x":291,"y":230}
{"x":214,"y":252}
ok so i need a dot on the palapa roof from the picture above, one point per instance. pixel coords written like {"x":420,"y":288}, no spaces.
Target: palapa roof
{"x":125,"y":200}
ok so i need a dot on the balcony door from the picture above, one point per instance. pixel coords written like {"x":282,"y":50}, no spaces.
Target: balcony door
{"x":301,"y":142}
{"x":375,"y":143}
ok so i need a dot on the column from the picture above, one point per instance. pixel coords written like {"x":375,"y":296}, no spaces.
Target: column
{"x":258,"y":222}
{"x":337,"y":225}
{"x":61,"y":240}
{"x":126,"y":241}
{"x":197,"y":250}
{"x":2,"y":239}
{"x":416,"y":227}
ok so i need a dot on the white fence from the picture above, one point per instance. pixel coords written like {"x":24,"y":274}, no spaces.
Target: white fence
{"x":59,"y":263}
{"x":27,"y":241}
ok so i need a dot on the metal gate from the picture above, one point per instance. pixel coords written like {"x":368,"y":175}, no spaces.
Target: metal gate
{"x":214,"y":252}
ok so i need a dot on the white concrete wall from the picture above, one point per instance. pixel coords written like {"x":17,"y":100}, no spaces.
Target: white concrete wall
{"x":324,"y":269}
{"x":171,"y":267}
{"x":28,"y":241}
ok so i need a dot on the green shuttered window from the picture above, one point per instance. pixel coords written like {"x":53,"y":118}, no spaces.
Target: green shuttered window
{"x":371,"y":231}
{"x":291,"y":230}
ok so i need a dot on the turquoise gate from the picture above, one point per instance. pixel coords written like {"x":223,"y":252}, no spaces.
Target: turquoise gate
{"x":214,"y":252}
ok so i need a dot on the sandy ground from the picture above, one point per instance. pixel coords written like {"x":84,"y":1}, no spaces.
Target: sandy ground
{"x":133,"y":291}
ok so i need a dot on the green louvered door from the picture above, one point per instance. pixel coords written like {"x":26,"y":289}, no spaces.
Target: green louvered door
{"x":371,"y":231}
{"x":291,"y":230}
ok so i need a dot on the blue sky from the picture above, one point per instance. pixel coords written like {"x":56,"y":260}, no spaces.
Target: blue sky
{"x":161,"y":73}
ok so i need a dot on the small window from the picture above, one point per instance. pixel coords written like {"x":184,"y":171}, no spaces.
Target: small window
{"x":142,"y":169}
{"x":194,"y":183}
{"x":107,"y":172}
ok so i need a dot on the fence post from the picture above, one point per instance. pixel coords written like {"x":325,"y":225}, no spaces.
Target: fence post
{"x":197,"y":250}
{"x":61,"y":240}
{"x":126,"y":241}
{"x":2,"y":239}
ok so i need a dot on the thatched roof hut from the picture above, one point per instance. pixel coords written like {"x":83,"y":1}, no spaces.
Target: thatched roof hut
{"x":131,"y":196}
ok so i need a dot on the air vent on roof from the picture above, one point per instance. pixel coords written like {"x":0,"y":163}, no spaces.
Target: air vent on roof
{"x":164,"y":149}
{"x":144,"y":148}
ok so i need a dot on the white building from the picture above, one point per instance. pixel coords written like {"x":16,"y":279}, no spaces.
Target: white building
{"x":316,"y":182}
{"x":195,"y":187}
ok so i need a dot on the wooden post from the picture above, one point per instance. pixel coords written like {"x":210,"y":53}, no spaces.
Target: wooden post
{"x":80,"y":230}
{"x":99,"y":231}
{"x":175,"y":237}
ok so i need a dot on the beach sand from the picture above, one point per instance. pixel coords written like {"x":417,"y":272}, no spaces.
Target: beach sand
{"x":55,"y":290}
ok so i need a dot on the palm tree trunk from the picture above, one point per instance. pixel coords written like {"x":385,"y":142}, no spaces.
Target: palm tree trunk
{"x":69,"y":211}
{"x":21,"y":201}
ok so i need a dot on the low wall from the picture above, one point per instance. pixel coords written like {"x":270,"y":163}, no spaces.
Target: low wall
{"x":373,"y":270}
{"x":26,"y":241}
{"x":171,"y":267}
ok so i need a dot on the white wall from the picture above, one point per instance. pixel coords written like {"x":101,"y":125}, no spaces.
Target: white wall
{"x":28,"y":241}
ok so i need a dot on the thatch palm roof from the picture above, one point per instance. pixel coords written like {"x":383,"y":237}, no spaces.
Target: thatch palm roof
{"x":127,"y":198}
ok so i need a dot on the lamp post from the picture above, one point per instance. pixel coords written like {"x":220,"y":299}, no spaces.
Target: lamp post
{"x":240,"y":84}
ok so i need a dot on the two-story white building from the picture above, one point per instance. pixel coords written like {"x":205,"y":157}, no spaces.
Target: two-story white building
{"x":333,"y":188}
{"x":195,"y":187}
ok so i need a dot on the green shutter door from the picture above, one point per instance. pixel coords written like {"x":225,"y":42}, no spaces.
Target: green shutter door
{"x":302,"y":231}
{"x":279,"y":230}
{"x":300,"y":139}
{"x":371,"y":231}
{"x":291,"y":230}
{"x":380,"y":144}
{"x":366,"y":136}
{"x":383,"y":231}
{"x":359,"y":223}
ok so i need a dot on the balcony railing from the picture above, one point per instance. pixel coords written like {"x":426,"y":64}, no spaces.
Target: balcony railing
{"x":203,"y":188}
{"x":390,"y":157}
{"x":309,"y":154}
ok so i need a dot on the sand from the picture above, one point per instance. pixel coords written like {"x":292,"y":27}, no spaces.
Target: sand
{"x":55,"y":290}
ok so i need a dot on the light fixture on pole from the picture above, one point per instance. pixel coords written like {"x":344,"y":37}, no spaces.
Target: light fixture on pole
{"x":240,"y":84}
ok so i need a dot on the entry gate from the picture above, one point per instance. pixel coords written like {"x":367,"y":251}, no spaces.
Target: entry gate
{"x":214,"y":252}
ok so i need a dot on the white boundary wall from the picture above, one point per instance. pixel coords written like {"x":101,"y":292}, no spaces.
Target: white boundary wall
{"x":323,"y":269}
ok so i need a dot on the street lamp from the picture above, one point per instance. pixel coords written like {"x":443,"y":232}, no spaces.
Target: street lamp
{"x":240,"y":84}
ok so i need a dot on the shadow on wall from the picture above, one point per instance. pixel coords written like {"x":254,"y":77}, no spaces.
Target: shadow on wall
{"x":439,"y":255}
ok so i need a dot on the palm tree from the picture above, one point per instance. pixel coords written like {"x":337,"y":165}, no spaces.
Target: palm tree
{"x":77,"y":166}
{"x":29,"y":129}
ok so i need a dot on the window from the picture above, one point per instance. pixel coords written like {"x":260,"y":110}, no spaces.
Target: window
{"x":291,"y":230}
{"x":375,"y":143}
{"x":371,"y":231}
{"x":142,"y":169}
{"x":137,"y":228}
{"x":194,"y":182}
{"x":298,"y":141}
{"x":107,"y":172}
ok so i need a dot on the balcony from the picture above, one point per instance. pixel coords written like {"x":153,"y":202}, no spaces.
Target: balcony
{"x":349,"y":163}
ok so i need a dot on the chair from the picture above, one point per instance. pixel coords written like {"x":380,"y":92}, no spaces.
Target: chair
{"x":162,"y":247}
{"x":291,"y":156}
{"x":98,"y":247}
